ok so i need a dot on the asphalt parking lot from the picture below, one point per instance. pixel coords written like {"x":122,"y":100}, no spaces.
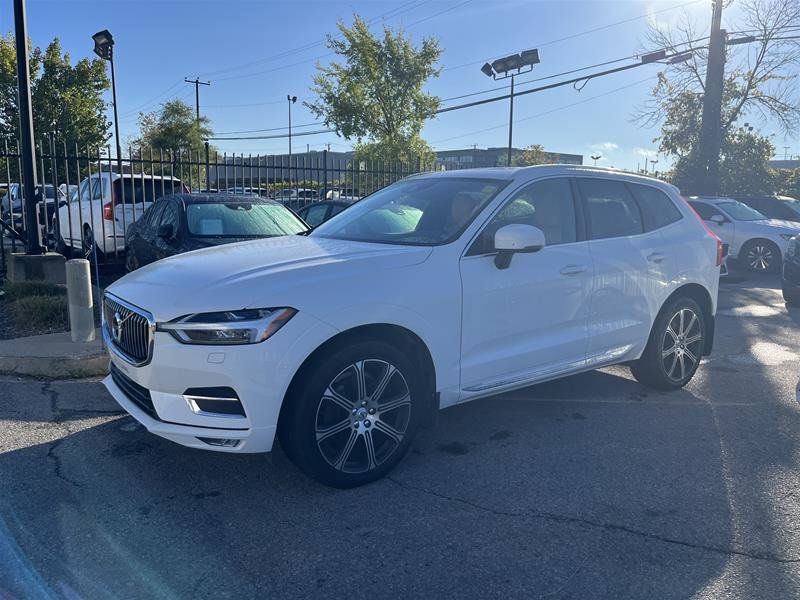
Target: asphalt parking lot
{"x":589,"y":487}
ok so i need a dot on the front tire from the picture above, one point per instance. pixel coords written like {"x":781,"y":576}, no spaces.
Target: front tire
{"x":675,"y":347}
{"x":760,"y":256}
{"x":354,"y":415}
{"x":791,"y":297}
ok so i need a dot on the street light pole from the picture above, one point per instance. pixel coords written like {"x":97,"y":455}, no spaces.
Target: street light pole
{"x":104,"y":48}
{"x":292,"y":100}
{"x":116,"y":114}
{"x":510,"y":121}
{"x":29,"y":176}
{"x":595,"y":158}
{"x":511,"y":66}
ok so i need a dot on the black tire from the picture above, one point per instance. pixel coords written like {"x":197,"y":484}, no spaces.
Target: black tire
{"x":674,"y":370}
{"x":760,"y":256}
{"x":131,"y":262}
{"x":791,"y":297}
{"x":88,"y":249}
{"x":342,"y":459}
{"x":60,"y":245}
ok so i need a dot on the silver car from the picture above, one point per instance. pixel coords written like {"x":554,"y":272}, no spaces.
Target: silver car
{"x":756,"y":242}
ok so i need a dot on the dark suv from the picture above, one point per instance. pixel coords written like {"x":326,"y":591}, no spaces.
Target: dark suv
{"x":774,"y":207}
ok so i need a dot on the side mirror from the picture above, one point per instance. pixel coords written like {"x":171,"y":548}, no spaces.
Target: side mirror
{"x":516,"y":238}
{"x":718,"y":219}
{"x":166,"y":231}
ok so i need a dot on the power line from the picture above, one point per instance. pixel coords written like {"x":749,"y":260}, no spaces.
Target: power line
{"x":547,"y":112}
{"x":392,"y":13}
{"x":274,"y":137}
{"x":573,"y":81}
{"x":269,"y":129}
{"x":586,"y":32}
{"x":327,"y":54}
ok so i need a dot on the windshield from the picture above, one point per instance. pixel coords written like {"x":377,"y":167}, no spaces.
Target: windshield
{"x":241,"y":219}
{"x":740,"y":212}
{"x":423,"y":211}
{"x":794,"y":206}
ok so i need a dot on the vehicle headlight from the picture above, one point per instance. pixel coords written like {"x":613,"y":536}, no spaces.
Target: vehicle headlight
{"x":787,"y":236}
{"x":249,"y":326}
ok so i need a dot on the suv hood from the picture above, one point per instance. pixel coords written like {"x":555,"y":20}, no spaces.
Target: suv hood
{"x":789,"y":226}
{"x":280,"y":271}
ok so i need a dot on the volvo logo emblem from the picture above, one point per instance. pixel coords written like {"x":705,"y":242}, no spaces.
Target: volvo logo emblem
{"x":116,"y":327}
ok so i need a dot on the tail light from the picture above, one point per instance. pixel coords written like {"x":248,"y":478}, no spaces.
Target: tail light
{"x":720,"y":249}
{"x":108,"y":211}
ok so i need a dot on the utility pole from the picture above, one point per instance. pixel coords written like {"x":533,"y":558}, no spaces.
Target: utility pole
{"x":711,"y":129}
{"x":29,"y":177}
{"x":197,"y":83}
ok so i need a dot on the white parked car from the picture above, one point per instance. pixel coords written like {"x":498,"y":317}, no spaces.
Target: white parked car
{"x":442,"y":288}
{"x":756,"y":242}
{"x":97,"y":216}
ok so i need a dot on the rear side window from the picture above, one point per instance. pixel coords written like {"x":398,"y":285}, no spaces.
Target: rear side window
{"x":153,"y":214}
{"x":315,"y":214}
{"x":612,"y":211}
{"x":706,"y":211}
{"x":658,"y":209}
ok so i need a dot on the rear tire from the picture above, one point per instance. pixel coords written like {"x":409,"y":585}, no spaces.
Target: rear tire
{"x":675,"y":346}
{"x":792,"y":298}
{"x":760,"y":256}
{"x":354,"y":414}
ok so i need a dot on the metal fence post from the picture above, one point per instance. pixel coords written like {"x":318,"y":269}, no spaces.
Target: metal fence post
{"x":208,"y":170}
{"x":325,"y":170}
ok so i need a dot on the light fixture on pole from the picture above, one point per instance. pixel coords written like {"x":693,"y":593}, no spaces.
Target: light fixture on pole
{"x":511,"y":66}
{"x":292,"y":100}
{"x":104,"y":48}
{"x":653,"y":162}
{"x":596,"y":157}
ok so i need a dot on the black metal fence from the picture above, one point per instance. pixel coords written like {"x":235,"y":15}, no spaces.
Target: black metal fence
{"x":86,"y":197}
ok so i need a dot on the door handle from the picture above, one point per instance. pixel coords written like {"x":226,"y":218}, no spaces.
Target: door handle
{"x":656,"y":257}
{"x":574,"y":269}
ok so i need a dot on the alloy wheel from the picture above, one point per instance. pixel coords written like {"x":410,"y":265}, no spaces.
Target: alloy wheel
{"x":760,"y":257}
{"x":681,"y":345}
{"x":363,"y":416}
{"x":88,"y":243}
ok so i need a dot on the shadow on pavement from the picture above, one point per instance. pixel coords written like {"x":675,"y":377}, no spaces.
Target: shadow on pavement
{"x":540,"y":492}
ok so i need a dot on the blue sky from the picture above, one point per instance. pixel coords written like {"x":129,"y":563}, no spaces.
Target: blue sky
{"x":255,"y":52}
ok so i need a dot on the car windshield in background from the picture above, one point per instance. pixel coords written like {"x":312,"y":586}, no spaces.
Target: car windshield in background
{"x":740,"y":211}
{"x":794,"y":206}
{"x":241,"y":219}
{"x":427,"y":211}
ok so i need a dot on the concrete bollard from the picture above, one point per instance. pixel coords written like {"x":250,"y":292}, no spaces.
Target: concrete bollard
{"x":79,"y":296}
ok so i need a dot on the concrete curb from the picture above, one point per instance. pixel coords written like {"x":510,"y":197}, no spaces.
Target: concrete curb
{"x":53,"y":356}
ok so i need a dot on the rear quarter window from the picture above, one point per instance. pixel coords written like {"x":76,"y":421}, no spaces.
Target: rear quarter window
{"x":658,"y":209}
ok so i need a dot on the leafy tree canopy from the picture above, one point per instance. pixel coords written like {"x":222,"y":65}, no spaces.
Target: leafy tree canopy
{"x":174,"y":126}
{"x":67,"y":99}
{"x":532,"y":155}
{"x":375,"y":94}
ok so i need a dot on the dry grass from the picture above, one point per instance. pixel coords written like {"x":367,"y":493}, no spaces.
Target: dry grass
{"x":36,"y":305}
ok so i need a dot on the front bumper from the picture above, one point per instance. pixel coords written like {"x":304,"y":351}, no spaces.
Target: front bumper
{"x":260,"y":375}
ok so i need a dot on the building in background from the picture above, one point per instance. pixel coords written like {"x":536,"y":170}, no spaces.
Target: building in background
{"x":468,"y":158}
{"x":792,"y":163}
{"x":321,"y":167}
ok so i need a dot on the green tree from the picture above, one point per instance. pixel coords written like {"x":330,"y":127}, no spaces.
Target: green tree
{"x":172,"y":127}
{"x":788,"y":182}
{"x":375,"y":95}
{"x":67,"y":100}
{"x":532,"y":155}
{"x":760,"y":85}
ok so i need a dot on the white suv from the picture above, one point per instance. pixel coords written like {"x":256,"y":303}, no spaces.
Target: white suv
{"x":100,"y":212}
{"x":439,"y":289}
